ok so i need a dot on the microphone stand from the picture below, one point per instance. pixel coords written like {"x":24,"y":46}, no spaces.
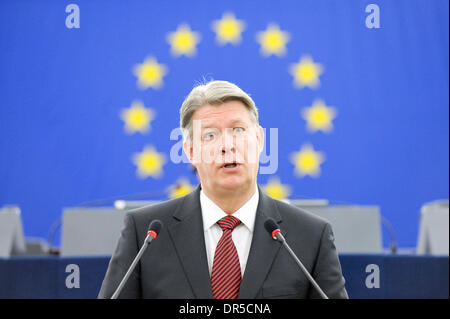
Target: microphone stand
{"x":281,"y":238}
{"x":151,"y":235}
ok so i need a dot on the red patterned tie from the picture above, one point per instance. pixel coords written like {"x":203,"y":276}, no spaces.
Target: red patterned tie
{"x":226,"y":272}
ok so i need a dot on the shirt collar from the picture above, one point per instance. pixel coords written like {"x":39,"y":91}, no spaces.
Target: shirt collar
{"x":211,"y":213}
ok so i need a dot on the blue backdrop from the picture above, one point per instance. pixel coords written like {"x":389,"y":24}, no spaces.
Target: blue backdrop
{"x":66,"y":83}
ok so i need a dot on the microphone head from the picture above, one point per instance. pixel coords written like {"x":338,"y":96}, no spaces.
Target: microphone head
{"x":154,"y":228}
{"x":272,"y":227}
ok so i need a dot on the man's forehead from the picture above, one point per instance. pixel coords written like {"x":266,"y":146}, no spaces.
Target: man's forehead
{"x":227,"y":113}
{"x":205,"y":123}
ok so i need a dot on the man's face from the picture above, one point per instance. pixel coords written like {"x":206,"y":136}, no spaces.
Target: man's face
{"x":226,"y":147}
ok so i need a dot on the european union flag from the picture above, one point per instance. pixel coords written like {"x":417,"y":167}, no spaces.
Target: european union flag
{"x":353,"y":96}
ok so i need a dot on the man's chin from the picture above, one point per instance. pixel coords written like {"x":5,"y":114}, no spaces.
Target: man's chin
{"x":233,"y":185}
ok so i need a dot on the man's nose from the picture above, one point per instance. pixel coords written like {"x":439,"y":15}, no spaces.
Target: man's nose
{"x":227,"y":143}
{"x":226,"y":150}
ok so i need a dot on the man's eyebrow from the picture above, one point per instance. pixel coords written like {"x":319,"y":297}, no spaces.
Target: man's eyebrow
{"x":237,"y":121}
{"x":208,"y":126}
{"x":232,"y":122}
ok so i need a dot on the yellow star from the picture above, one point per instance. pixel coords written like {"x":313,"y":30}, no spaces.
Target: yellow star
{"x":228,"y":29}
{"x":273,"y":40}
{"x":307,"y":161}
{"x":181,"y":188}
{"x":306,"y":73}
{"x":150,"y":73}
{"x":149,"y":162}
{"x":183,"y":41}
{"x":137,"y":118}
{"x":276,"y":190}
{"x":319,"y":116}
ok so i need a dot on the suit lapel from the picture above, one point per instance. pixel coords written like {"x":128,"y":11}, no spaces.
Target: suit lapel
{"x":263,"y":249}
{"x":187,"y":235}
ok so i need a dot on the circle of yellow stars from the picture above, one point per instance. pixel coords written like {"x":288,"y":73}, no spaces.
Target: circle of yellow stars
{"x":183,"y":41}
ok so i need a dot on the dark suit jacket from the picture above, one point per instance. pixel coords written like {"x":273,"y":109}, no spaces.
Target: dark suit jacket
{"x":175,"y":263}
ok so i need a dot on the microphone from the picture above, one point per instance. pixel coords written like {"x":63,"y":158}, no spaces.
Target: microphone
{"x":274,"y":230}
{"x":152,"y":233}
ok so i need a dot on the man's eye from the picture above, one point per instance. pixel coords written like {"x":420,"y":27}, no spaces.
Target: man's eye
{"x":238,"y":130}
{"x":208,"y":136}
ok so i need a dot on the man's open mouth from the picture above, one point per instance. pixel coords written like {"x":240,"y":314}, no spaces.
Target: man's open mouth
{"x":229,"y":165}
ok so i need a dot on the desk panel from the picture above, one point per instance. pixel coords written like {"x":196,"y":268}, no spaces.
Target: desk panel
{"x":367,"y":276}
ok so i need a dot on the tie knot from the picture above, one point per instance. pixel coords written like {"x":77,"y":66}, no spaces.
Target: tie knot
{"x":228,"y":222}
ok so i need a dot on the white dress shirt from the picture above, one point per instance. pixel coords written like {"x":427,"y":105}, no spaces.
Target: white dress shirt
{"x":241,"y":235}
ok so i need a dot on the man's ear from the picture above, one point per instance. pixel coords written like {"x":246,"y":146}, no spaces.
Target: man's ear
{"x":188,"y":150}
{"x":260,"y":138}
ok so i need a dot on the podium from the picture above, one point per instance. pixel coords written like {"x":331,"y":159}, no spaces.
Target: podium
{"x":90,"y":231}
{"x":434,"y":229}
{"x":95,"y":231}
{"x":356,"y":228}
{"x":12,"y":241}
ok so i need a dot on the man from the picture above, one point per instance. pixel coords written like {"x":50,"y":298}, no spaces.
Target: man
{"x":213,"y":243}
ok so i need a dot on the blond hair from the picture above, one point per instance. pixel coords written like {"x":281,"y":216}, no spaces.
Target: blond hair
{"x":212,"y":93}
